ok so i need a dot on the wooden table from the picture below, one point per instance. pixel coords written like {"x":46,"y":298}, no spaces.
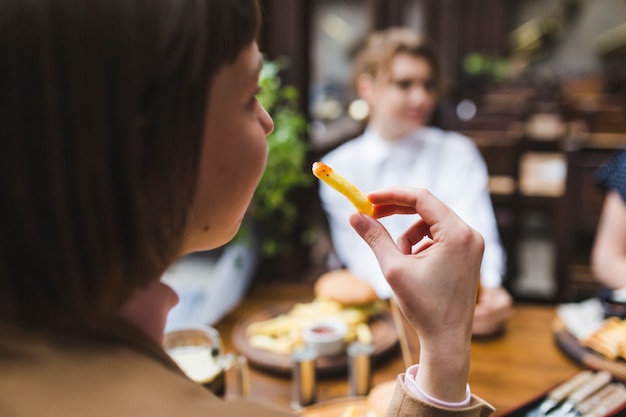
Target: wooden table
{"x":507,"y":370}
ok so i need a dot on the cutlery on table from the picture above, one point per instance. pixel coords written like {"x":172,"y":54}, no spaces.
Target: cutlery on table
{"x":615,"y":400}
{"x":604,"y":394}
{"x":558,"y":394}
{"x":595,"y":383}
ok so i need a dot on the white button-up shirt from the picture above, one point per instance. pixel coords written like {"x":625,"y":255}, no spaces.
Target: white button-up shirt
{"x":448,"y":164}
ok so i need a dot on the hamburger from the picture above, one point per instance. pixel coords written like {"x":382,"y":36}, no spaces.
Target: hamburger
{"x":350,"y":291}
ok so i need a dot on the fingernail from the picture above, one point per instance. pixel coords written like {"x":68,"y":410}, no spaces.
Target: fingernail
{"x":357,"y":220}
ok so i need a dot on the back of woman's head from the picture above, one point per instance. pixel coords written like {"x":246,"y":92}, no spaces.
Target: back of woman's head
{"x":102,"y":106}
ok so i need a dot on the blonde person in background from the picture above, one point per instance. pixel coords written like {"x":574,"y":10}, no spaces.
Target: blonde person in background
{"x":130,"y":135}
{"x":397,"y":73}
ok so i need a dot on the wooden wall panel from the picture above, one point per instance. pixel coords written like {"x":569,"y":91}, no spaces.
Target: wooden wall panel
{"x":385,"y":13}
{"x":461,"y":27}
{"x":286,"y":33}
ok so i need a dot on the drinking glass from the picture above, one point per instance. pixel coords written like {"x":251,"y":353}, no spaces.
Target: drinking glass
{"x":199,"y":352}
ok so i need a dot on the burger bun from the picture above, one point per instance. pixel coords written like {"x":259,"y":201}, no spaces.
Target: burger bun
{"x":345,"y":288}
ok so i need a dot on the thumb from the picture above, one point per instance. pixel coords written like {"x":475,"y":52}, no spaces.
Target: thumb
{"x":376,"y":236}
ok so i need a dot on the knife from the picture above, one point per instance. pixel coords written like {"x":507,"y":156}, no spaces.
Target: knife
{"x":558,"y":394}
{"x":597,"y":381}
{"x":596,"y":399}
{"x":604,"y":409}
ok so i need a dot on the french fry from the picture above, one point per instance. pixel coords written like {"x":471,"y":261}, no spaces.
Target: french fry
{"x":316,"y":308}
{"x":350,"y":411}
{"x":363,"y":333}
{"x":277,"y":326}
{"x":345,"y":187}
{"x":280,"y":345}
{"x":351,"y":316}
{"x":283,"y":333}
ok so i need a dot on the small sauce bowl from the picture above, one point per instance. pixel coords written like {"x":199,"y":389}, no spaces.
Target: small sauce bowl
{"x":326,"y":337}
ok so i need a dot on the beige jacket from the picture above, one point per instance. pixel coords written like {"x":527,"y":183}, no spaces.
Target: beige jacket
{"x":111,"y":369}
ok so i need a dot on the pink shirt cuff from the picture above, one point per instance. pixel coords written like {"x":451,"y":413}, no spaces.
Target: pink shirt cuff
{"x":411,"y":385}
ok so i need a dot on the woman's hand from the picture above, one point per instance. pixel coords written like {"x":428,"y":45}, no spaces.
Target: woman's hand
{"x":434,"y":271}
{"x":494,"y":308}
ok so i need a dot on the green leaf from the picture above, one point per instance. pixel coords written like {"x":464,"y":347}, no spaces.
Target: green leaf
{"x":272,"y":207}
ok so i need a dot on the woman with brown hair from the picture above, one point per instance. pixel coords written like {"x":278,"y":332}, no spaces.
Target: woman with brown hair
{"x":130,"y":135}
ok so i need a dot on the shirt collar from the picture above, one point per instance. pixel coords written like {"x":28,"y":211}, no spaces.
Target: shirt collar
{"x":380,"y":149}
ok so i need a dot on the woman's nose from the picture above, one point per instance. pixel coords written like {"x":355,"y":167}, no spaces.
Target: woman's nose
{"x":418,"y":94}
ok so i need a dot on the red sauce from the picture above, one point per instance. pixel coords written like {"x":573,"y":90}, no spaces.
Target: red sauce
{"x":323,"y":330}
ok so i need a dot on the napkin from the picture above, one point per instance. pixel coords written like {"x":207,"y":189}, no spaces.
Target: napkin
{"x":582,"y":318}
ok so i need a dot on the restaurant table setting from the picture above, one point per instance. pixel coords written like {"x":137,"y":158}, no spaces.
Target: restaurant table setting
{"x":198,"y":350}
{"x":325,"y":333}
{"x":381,"y":326}
{"x":516,"y":370}
{"x":586,"y":394}
{"x":593,"y":332}
{"x":340,"y":329}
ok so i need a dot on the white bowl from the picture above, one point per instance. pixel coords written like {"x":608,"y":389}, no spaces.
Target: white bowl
{"x":326,"y":336}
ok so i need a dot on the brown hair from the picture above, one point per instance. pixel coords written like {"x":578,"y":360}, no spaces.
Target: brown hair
{"x":102,"y":107}
{"x":380,"y":47}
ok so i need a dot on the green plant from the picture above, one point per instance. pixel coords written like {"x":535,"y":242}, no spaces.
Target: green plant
{"x":490,"y":67}
{"x":273,"y":211}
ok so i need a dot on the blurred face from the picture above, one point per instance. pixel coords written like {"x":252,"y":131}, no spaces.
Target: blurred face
{"x":233,"y":154}
{"x":401,"y":98}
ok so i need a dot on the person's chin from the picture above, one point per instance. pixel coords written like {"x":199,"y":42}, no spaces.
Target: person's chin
{"x":416,"y":121}
{"x":213,"y":242}
{"x":226,"y":237}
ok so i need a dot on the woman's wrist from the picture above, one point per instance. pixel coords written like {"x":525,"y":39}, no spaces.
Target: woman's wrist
{"x":416,"y":390}
{"x":444,"y":371}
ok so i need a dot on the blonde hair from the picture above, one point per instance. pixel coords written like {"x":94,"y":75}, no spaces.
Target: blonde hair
{"x":382,"y":46}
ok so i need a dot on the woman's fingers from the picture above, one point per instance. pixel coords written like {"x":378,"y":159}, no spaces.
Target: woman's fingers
{"x":404,"y":200}
{"x":377,"y":237}
{"x":385,"y":210}
{"x":412,"y":236}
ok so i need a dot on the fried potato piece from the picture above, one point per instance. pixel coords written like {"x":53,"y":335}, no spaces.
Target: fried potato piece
{"x":345,"y":187}
{"x":350,"y":411}
{"x":283,"y":333}
{"x":281,"y":345}
{"x":364,"y":334}
{"x":277,"y":326}
{"x":316,"y":308}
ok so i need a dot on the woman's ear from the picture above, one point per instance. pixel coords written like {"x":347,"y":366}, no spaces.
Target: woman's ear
{"x":365,"y":87}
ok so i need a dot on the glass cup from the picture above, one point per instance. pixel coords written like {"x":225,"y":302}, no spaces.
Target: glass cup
{"x":199,"y":352}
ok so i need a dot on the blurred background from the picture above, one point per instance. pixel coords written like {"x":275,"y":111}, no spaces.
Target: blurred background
{"x":539,"y":85}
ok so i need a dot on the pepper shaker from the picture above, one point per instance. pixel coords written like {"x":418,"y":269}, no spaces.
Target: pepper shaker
{"x":304,"y":384}
{"x":360,"y":368}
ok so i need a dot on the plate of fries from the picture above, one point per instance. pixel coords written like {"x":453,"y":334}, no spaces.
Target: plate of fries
{"x":268,"y":336}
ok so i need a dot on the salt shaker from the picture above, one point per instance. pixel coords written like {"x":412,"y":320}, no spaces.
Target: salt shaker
{"x":360,"y":368}
{"x":304,"y":384}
